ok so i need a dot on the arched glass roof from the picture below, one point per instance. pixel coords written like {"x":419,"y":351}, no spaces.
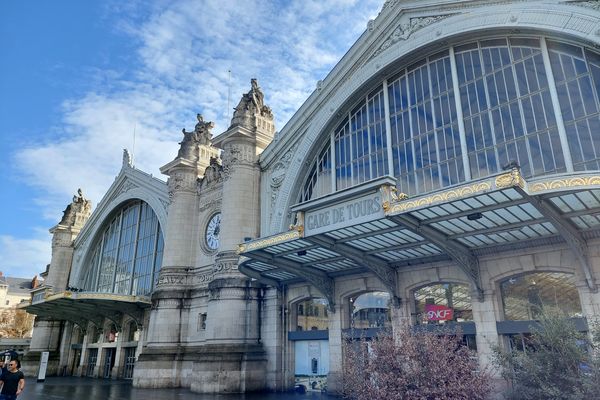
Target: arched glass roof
{"x":466,"y":113}
{"x":127,"y":254}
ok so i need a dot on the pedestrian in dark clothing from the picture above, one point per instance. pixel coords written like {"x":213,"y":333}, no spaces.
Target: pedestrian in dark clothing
{"x":12,"y":382}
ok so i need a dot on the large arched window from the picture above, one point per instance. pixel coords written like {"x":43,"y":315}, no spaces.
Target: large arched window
{"x":371,"y":310}
{"x":467,"y":112}
{"x":127,"y":254}
{"x":312,"y":315}
{"x":443,"y":302}
{"x":525,"y":296}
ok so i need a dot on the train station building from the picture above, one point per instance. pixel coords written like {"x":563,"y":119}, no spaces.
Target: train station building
{"x":445,"y":173}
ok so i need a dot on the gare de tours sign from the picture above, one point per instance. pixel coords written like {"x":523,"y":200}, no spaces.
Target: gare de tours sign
{"x":346,"y":213}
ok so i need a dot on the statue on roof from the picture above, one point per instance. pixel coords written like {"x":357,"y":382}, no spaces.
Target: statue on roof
{"x":79,"y":205}
{"x":251,"y":104}
{"x":191,"y":140}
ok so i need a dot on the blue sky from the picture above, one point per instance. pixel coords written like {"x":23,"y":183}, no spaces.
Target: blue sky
{"x":77,"y":76}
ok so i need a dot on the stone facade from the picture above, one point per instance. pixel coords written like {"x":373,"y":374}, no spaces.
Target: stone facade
{"x":213,"y":325}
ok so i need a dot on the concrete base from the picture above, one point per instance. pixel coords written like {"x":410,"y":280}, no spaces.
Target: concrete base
{"x":158,"y":368}
{"x":219,"y":368}
{"x":30,"y":364}
{"x":229,"y":369}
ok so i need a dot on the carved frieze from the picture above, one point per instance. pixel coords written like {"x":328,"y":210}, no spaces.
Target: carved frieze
{"x":181,"y":181}
{"x":172,"y":278}
{"x":593,"y":4}
{"x":405,"y":30}
{"x":213,"y":174}
{"x":209,"y":203}
{"x":278,"y":173}
{"x":235,"y":155}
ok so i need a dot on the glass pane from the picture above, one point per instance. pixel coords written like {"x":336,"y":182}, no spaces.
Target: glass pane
{"x":525,"y":296}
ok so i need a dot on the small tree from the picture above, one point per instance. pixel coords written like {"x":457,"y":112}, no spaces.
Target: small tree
{"x":558,"y":363}
{"x":413,"y":365}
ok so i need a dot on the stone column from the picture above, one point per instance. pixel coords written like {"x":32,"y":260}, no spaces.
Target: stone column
{"x":46,"y":332}
{"x":164,"y":330}
{"x":272,"y":336}
{"x":164,"y":335}
{"x":484,"y":316}
{"x":334,"y":378}
{"x":233,"y":359}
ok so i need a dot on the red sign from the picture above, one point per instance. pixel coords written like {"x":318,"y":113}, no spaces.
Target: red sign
{"x":439,"y":313}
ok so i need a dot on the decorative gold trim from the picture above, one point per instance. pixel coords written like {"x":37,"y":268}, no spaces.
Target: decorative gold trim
{"x":453,"y":194}
{"x":574,"y":182}
{"x":276,"y":239}
{"x":510,"y":179}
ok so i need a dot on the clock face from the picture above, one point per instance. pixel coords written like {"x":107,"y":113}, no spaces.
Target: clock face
{"x":212,"y":231}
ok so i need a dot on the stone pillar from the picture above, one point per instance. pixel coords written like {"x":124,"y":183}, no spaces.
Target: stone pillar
{"x":46,"y":332}
{"x":484,"y":316}
{"x":82,"y":355}
{"x":164,"y":335}
{"x":65,"y":348}
{"x":334,"y":378}
{"x":233,"y":359}
{"x":164,"y":330}
{"x":273,"y":337}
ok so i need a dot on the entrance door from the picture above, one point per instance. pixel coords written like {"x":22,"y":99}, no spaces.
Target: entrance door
{"x":109,"y":362}
{"x":92,"y":358}
{"x":76,"y":361}
{"x":129,"y":362}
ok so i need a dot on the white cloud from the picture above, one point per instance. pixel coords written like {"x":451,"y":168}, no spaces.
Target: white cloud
{"x":24,"y":258}
{"x":185,"y":49}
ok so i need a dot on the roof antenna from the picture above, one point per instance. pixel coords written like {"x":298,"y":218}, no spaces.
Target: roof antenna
{"x":228,"y":94}
{"x":133,"y":149}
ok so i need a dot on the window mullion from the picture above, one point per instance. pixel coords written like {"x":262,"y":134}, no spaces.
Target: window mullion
{"x":135,"y":248}
{"x":388,"y":128}
{"x":368,"y":138}
{"x":434,"y":117}
{"x":349,"y":160}
{"x":459,"y":116}
{"x":412,"y":133}
{"x":333,"y":162}
{"x":118,"y":250}
{"x":154,"y":255}
{"x":100,"y":258}
{"x":560,"y":123}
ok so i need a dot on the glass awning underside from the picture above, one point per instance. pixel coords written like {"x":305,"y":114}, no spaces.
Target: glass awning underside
{"x":82,"y":308}
{"x":495,"y":214}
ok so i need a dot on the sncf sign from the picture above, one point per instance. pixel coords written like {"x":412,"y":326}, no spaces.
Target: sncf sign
{"x":438,"y":313}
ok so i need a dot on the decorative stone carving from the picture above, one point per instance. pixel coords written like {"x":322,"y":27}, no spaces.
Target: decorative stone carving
{"x":404,"y":31}
{"x":165,"y":203}
{"x":213,"y":173}
{"x":206,"y":203}
{"x":77,"y":212}
{"x":126,"y":158}
{"x":201,"y":135}
{"x":235,"y":155}
{"x":125,"y":187}
{"x":172,"y":278}
{"x":250,"y":106}
{"x":181,"y":181}
{"x":593,"y":4}
{"x":278,"y":173}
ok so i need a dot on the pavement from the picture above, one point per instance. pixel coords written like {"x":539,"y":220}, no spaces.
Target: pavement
{"x":73,"y":388}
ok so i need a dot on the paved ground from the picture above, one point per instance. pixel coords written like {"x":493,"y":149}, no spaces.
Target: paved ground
{"x":98,"y":389}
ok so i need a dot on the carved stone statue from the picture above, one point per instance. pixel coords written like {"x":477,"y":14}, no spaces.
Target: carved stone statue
{"x":191,"y":140}
{"x":213,"y":172}
{"x":79,"y":205}
{"x":251,"y":105}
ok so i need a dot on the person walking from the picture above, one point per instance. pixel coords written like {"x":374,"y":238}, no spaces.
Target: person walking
{"x":3,"y":368}
{"x":12,"y":382}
